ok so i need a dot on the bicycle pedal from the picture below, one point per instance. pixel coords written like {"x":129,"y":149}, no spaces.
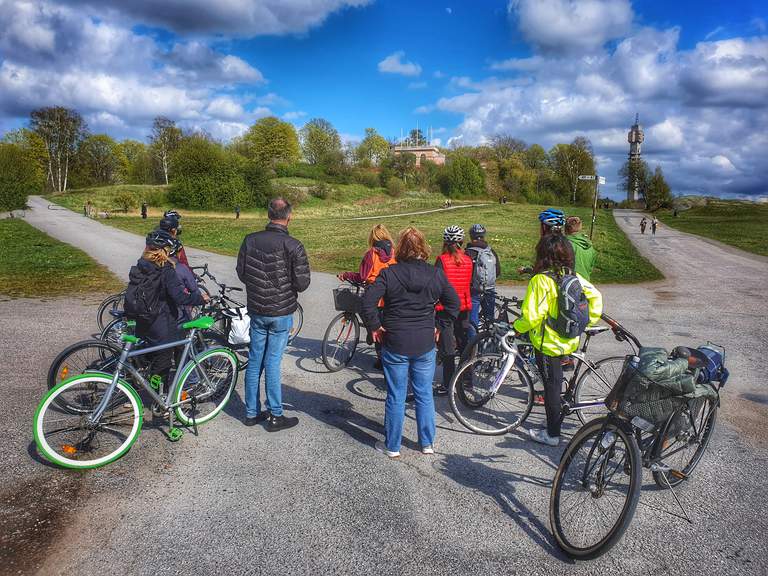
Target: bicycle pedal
{"x":175,"y":434}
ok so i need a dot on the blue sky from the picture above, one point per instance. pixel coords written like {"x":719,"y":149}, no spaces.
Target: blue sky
{"x":542,"y":70}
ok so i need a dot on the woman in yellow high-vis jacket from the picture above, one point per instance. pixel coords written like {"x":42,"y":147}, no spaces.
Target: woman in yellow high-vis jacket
{"x":554,"y":257}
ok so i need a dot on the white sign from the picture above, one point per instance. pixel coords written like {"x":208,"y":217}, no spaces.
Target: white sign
{"x":583,"y":177}
{"x":601,"y":179}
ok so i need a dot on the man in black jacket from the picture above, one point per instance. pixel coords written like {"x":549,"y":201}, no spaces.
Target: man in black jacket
{"x":274,"y":268}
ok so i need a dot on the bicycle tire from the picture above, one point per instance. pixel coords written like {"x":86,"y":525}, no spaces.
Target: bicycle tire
{"x":60,"y":444}
{"x":587,"y":390}
{"x":80,"y":357}
{"x":348,"y":323}
{"x":219,"y":339}
{"x":595,"y":431}
{"x":191,"y":384}
{"x":112,"y":302}
{"x":113,"y":332}
{"x":298,"y":322}
{"x":492,"y":415}
{"x":706,"y":419}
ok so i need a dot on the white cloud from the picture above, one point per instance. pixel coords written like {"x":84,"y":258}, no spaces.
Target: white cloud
{"x":393,"y":64}
{"x":243,"y":18}
{"x":294,"y":115}
{"x":272,"y":99}
{"x":571,"y":25}
{"x":224,"y":107}
{"x":714,"y":32}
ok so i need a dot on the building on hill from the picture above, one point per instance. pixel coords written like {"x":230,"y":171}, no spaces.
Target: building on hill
{"x":635,"y":138}
{"x":422,"y":153}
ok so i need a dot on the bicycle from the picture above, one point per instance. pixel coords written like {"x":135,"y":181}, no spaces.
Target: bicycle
{"x":600,"y":472}
{"x":492,"y":393}
{"x":343,"y":333}
{"x":110,"y":303}
{"x":112,"y":412}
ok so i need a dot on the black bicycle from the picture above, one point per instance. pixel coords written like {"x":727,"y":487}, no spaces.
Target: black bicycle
{"x":343,"y":333}
{"x":597,"y":484}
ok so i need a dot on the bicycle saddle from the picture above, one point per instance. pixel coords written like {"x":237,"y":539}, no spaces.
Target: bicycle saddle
{"x":594,"y":330}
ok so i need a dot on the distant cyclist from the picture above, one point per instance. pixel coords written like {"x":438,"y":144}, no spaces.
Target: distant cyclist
{"x":485,"y":271}
{"x":551,"y":221}
{"x":583,"y":252}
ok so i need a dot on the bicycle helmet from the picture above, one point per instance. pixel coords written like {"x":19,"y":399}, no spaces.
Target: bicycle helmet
{"x":552,"y":217}
{"x":171,"y":221}
{"x":477,"y":231}
{"x":160,"y":239}
{"x":453,"y":234}
{"x":177,"y":245}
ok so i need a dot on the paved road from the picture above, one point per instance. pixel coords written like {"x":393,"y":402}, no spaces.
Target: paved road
{"x":319,"y":499}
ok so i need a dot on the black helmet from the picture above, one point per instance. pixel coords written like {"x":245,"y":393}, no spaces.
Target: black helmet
{"x":477,"y":231}
{"x":160,"y":239}
{"x":171,"y":221}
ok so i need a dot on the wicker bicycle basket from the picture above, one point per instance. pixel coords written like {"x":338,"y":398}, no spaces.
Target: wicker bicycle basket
{"x":347,"y":300}
{"x":635,"y":394}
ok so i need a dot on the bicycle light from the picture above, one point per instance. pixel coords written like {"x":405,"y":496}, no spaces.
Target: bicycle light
{"x":68,"y":449}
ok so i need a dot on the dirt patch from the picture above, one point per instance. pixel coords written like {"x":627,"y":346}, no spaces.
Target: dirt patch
{"x":33,"y":515}
{"x":665,"y":295}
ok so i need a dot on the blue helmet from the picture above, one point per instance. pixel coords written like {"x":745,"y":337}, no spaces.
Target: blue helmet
{"x":553,"y":218}
{"x":477,"y":231}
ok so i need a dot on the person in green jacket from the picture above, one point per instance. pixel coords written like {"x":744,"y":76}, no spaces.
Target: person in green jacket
{"x":583,"y":252}
{"x":554,"y":257}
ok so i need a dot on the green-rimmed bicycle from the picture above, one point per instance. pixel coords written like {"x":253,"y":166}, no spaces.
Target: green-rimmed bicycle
{"x":110,"y":411}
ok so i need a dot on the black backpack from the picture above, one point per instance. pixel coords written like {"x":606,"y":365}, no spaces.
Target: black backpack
{"x":572,"y":307}
{"x":142,"y":297}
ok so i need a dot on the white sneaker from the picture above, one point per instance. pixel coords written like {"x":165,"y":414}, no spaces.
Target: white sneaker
{"x":540,"y":435}
{"x":427,"y":449}
{"x":380,"y":447}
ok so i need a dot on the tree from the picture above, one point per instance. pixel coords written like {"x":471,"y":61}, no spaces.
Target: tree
{"x":568,"y":162}
{"x":372,"y":150}
{"x":464,"y":177}
{"x":101,"y":160}
{"x":138,"y":163}
{"x":657,"y":192}
{"x":403,"y":164}
{"x":33,"y":148}
{"x":61,"y":130}
{"x":165,"y":139}
{"x":320,"y":142}
{"x":19,"y":177}
{"x":635,"y":175}
{"x":416,"y":138}
{"x":270,"y":140}
{"x":504,"y":146}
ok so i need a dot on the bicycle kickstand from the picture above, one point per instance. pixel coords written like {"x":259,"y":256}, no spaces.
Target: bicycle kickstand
{"x":664,"y":468}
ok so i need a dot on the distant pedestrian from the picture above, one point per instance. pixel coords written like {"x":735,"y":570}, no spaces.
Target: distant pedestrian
{"x":674,"y":212}
{"x":85,"y":210}
{"x":406,"y":330}
{"x":584,"y":252}
{"x":274,"y":268}
{"x":643,"y":225}
{"x":237,"y":212}
{"x":143,"y":210}
{"x":654,"y":224}
{"x":88,"y":209}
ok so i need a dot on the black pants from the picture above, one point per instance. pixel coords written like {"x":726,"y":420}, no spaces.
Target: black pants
{"x":551,"y":370}
{"x":453,"y":339}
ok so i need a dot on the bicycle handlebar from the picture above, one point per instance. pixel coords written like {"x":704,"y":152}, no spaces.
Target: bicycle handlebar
{"x":621,"y":333}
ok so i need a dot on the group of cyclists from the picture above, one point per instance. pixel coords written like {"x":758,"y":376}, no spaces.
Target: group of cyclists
{"x":472,"y":269}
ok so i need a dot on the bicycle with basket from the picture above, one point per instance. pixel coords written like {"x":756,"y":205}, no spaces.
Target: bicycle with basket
{"x":343,"y":333}
{"x":661,"y":417}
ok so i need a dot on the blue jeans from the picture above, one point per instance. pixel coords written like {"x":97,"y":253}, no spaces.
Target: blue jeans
{"x":269,"y":336}
{"x":481,"y":302}
{"x":397,"y":370}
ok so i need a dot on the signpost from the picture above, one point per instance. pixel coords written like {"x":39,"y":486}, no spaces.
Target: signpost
{"x":598,"y":180}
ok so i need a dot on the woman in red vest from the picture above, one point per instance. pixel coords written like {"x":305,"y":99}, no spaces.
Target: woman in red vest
{"x":380,"y":255}
{"x":453,"y":334}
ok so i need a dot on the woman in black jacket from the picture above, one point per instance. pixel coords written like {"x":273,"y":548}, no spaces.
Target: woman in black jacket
{"x":407,"y":332}
{"x":156,"y":269}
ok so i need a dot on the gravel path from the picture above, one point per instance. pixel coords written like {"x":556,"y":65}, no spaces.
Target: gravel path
{"x":319,"y":499}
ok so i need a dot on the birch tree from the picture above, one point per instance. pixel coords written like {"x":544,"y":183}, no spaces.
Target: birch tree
{"x":165,"y":139}
{"x":61,"y":130}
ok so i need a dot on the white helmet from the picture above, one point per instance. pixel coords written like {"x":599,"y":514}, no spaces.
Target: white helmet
{"x":453,"y":234}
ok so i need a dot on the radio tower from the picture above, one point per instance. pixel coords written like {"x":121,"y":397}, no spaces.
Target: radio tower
{"x":635,"y":139}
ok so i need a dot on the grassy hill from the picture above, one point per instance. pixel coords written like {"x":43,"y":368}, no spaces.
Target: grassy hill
{"x":740,"y":224}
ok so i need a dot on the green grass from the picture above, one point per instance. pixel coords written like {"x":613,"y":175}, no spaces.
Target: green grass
{"x":334,"y":244}
{"x":34,"y":264}
{"x":103,"y":198}
{"x":740,"y":224}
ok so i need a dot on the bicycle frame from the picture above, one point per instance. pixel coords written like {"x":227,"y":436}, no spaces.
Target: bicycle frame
{"x":123,"y":364}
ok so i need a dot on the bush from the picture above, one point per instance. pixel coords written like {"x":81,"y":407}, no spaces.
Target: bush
{"x":301,"y":170}
{"x":19,"y":177}
{"x":395,"y":187}
{"x":321,"y":190}
{"x":125,"y":200}
{"x":465,"y":177}
{"x":293,"y":194}
{"x":155,"y":197}
{"x":367,"y":178}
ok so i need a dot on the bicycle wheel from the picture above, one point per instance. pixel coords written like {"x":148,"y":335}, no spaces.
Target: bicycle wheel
{"x":684,"y":439}
{"x":340,"y":341}
{"x":205,"y":386}
{"x":594,"y":384}
{"x":114,"y":331}
{"x":216,"y":339}
{"x":113,"y":302}
{"x":483,"y":342}
{"x":595,"y":490}
{"x":298,"y":322}
{"x":478,"y":407}
{"x":79,"y":358}
{"x":69,"y":440}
